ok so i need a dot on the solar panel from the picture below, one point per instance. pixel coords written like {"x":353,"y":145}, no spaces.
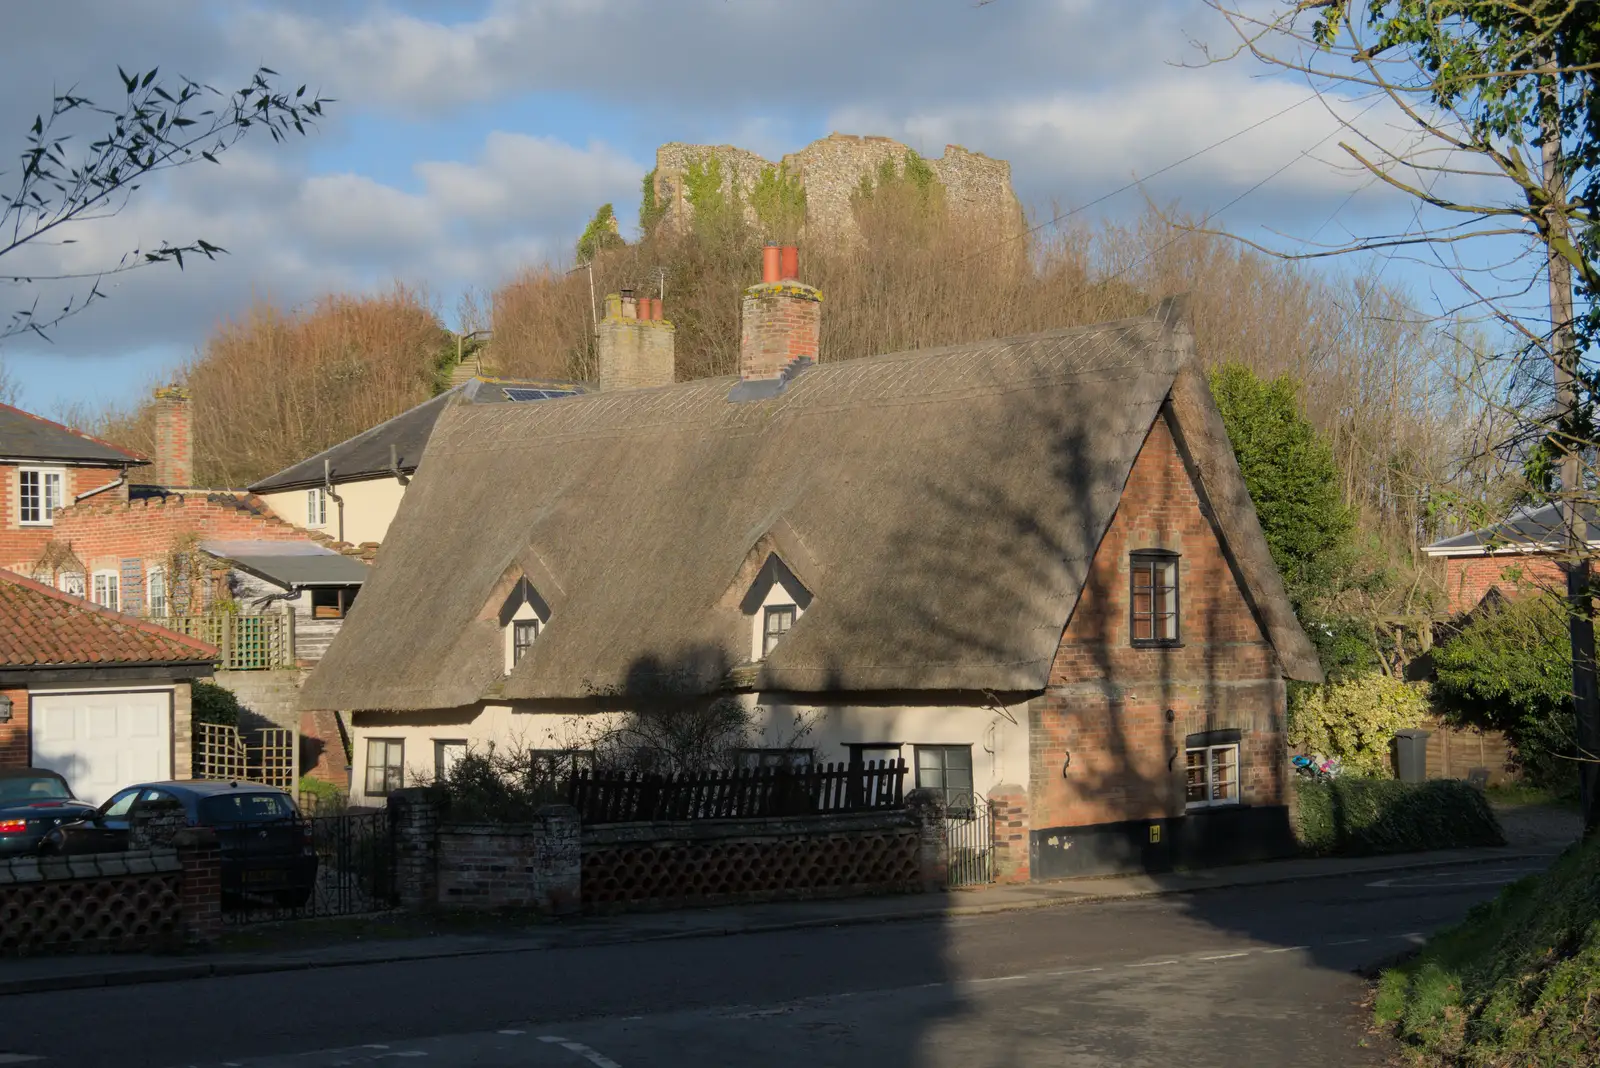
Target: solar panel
{"x":524,"y":393}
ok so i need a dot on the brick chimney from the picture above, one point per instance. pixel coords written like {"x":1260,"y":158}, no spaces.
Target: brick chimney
{"x":635,"y":344}
{"x":174,"y":466}
{"x":782,"y":323}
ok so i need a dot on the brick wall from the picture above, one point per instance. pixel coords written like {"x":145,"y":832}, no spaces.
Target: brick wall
{"x":634,"y":353}
{"x":174,"y":459}
{"x":1469,"y":578}
{"x":532,"y":865}
{"x":21,"y":546}
{"x":1107,"y":736}
{"x":15,"y":749}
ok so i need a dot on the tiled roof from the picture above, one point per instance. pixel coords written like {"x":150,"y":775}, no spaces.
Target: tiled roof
{"x":25,"y":436}
{"x":43,"y":627}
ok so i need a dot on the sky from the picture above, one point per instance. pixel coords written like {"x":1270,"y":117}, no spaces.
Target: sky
{"x":468,"y":140}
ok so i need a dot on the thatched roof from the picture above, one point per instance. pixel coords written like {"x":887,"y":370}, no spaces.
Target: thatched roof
{"x":942,"y":506}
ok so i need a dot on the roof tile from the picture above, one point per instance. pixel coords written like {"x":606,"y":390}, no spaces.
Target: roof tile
{"x":43,"y":627}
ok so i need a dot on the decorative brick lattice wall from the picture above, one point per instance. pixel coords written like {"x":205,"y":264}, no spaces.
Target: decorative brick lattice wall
{"x":92,"y":904}
{"x":687,"y":864}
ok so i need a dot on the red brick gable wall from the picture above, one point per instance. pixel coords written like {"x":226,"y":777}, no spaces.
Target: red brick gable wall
{"x":1468,"y":579}
{"x":101,"y":535}
{"x":1102,"y":747}
{"x":20,"y":546}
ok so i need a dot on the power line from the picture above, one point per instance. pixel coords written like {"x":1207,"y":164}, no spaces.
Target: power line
{"x":1139,"y":181}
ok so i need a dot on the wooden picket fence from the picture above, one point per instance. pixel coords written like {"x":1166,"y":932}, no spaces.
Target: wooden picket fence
{"x":626,"y":797}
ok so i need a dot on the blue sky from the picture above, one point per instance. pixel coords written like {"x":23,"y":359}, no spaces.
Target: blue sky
{"x":471,"y":139}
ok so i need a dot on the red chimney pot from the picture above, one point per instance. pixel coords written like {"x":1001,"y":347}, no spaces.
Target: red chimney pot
{"x":771,"y":264}
{"x":789,"y":270}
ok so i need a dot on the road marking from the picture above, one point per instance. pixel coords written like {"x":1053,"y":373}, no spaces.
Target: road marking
{"x":510,"y":1032}
{"x":594,"y":1057}
{"x":1350,"y":942}
{"x":1152,"y":963}
{"x":1284,"y":949}
{"x":1227,"y":956}
{"x":1438,"y":880}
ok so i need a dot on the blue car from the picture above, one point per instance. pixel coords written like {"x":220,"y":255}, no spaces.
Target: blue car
{"x":34,"y":802}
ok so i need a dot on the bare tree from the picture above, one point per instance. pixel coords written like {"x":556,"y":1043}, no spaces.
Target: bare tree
{"x":1494,"y":138}
{"x":158,"y":127}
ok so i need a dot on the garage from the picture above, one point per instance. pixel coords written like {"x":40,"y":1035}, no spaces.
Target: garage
{"x":103,"y":740}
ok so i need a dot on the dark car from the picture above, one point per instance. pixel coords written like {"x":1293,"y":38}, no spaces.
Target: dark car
{"x":33,"y":802}
{"x":266,"y":846}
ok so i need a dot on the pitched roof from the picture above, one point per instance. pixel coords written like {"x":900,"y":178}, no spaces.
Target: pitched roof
{"x":25,"y":436}
{"x":948,"y":503}
{"x":1526,"y":530}
{"x":43,"y":627}
{"x":367,"y":454}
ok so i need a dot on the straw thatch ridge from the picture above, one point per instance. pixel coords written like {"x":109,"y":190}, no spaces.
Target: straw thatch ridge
{"x":943,"y":505}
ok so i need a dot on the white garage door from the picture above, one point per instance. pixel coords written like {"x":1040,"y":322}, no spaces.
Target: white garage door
{"x":102,"y":742}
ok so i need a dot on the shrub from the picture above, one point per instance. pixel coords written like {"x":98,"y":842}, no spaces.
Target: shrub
{"x":1355,"y":720}
{"x":510,"y":785}
{"x":1354,"y":817}
{"x":319,"y":798}
{"x":1510,"y":669}
{"x":210,"y":703}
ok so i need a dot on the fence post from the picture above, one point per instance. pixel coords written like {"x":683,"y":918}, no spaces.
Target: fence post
{"x":287,"y":654}
{"x":927,"y":809}
{"x":414,"y":822}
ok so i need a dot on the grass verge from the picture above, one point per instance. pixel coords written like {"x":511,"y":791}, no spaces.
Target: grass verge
{"x":1515,"y":983}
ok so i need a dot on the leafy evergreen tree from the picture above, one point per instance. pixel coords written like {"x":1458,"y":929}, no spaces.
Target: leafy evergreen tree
{"x":600,"y":234}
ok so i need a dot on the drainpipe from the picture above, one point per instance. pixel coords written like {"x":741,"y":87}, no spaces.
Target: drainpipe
{"x":327,"y":487}
{"x":120,"y":480}
{"x":394,"y":466}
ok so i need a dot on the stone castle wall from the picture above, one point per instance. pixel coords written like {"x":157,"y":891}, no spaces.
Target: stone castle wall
{"x":977,"y":188}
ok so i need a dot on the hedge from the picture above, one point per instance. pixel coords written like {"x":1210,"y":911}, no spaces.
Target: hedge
{"x":1355,"y":816}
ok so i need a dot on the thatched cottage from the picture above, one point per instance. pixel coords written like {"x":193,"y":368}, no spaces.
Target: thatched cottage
{"x":1028,"y":566}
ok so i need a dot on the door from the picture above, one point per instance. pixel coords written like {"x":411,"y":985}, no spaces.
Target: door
{"x":102,"y":741}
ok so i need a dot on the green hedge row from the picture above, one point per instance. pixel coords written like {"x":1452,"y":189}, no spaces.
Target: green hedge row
{"x":1354,"y":817}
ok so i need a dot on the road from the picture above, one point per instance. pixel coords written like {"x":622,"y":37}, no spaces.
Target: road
{"x":1259,"y":976}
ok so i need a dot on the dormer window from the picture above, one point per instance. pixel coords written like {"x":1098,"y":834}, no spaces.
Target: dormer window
{"x":779,"y":618}
{"x":522,"y":616}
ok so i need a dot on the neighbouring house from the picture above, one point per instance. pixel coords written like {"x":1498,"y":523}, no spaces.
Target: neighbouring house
{"x":101,"y":697}
{"x":352,"y":490}
{"x":217,"y":565}
{"x":45,"y":467}
{"x":1028,"y":566}
{"x":1521,"y":553}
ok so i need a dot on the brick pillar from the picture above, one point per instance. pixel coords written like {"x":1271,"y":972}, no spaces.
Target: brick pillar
{"x":201,"y":858}
{"x":1008,"y":804}
{"x":414,"y":822}
{"x":927,"y":808}
{"x":174,"y":466}
{"x":561,"y":859}
{"x":633,"y":353}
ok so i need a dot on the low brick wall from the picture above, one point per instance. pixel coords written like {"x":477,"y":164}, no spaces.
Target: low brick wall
{"x":554,"y":866}
{"x":160,"y":898}
{"x":532,"y":865}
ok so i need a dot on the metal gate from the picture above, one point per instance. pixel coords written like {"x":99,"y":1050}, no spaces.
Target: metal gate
{"x":969,"y":835}
{"x":354,"y":872}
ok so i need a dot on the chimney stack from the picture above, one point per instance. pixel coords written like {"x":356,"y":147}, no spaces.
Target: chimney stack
{"x":174,"y":466}
{"x":782,"y":322}
{"x":635,"y":344}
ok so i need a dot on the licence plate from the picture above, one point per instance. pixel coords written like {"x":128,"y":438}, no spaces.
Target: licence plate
{"x":268,"y":876}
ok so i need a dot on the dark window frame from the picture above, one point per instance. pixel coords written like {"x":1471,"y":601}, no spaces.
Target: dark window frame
{"x":944,"y":750}
{"x":519,"y":647}
{"x":769,"y":637}
{"x":391,"y":776}
{"x":342,"y":596}
{"x":1147,"y":561}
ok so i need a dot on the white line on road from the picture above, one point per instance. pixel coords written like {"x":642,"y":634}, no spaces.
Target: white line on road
{"x":1349,"y":942}
{"x":510,"y":1032}
{"x":594,"y":1057}
{"x":1227,"y":956}
{"x":1284,"y":949}
{"x":1152,"y":963}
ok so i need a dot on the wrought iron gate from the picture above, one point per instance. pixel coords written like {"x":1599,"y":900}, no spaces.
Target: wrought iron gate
{"x":969,"y":835}
{"x":355,"y":871}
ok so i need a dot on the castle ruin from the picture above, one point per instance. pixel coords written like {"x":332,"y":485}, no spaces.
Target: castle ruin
{"x":976,"y":188}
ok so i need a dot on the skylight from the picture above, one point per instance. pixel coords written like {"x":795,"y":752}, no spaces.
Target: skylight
{"x":525,"y":393}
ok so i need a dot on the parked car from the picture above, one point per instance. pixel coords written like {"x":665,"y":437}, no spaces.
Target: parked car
{"x":266,"y":845}
{"x":33,"y":802}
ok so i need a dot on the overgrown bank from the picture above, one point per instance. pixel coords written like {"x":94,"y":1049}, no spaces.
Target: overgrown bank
{"x":1516,"y":983}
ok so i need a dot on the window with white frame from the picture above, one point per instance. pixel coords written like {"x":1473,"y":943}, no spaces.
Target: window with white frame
{"x":523,"y":633}
{"x":106,"y":592}
{"x":778,"y":619}
{"x":446,"y":754}
{"x":40,"y":494}
{"x":1212,"y":775}
{"x":523,"y":616}
{"x":72,"y":582}
{"x":155,"y":592}
{"x":316,"y":507}
{"x":386,"y":760}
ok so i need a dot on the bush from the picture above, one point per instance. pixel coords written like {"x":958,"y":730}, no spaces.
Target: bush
{"x":210,"y":703}
{"x":319,"y":798}
{"x":1510,"y":669}
{"x":1356,"y":817}
{"x":1356,"y":720}
{"x":504,"y":785}
{"x":1514,"y":983}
